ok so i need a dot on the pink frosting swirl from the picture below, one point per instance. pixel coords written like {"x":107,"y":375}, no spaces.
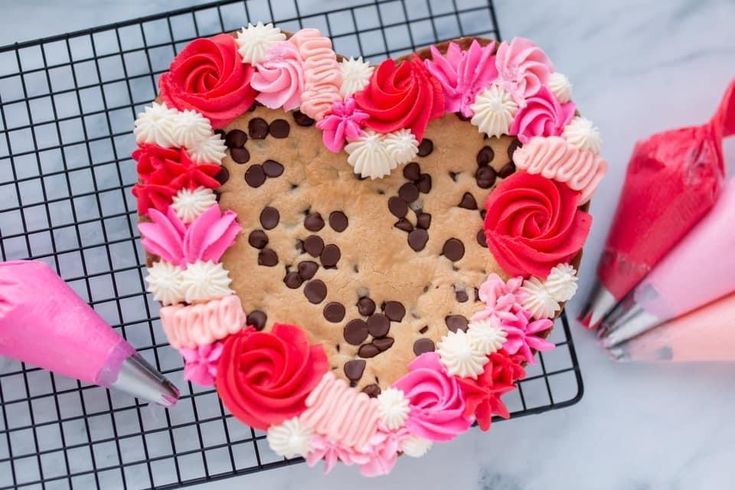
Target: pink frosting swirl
{"x":344,"y":122}
{"x":435,"y":399}
{"x":523,"y":68}
{"x":554,"y":158}
{"x":463,"y":74}
{"x":206,"y":238}
{"x":201,"y":363}
{"x":279,"y":77}
{"x":202,"y":323}
{"x":543,"y":115}
{"x":322,"y":75}
{"x":523,"y":335}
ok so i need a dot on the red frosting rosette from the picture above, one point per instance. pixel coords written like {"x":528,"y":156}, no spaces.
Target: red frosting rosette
{"x":534,"y":223}
{"x":263,"y":378}
{"x":209,"y":76}
{"x":401,"y":96}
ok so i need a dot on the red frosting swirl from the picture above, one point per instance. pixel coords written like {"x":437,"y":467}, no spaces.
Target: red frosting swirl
{"x":403,"y":96}
{"x":534,"y":223}
{"x":165,"y":171}
{"x":263,"y":378}
{"x":210,"y":77}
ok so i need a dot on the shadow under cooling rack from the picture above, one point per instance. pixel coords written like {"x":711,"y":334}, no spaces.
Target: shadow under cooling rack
{"x":67,"y":106}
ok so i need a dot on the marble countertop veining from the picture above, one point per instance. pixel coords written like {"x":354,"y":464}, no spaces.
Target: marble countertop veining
{"x":638,"y":67}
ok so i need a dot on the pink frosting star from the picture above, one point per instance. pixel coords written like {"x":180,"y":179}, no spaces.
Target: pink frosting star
{"x":201,"y":363}
{"x":384,"y":447}
{"x":523,"y":335}
{"x":332,"y":452}
{"x":343,"y":122}
{"x":500,"y":296}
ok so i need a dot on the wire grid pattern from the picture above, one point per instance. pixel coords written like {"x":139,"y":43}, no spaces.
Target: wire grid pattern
{"x":67,"y":106}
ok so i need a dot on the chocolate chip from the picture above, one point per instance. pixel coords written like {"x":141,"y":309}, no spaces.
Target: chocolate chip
{"x":404,"y":224}
{"x":256,"y":319}
{"x":483,"y":213}
{"x":515,"y":144}
{"x":412,"y":171}
{"x":367,"y":351}
{"x":424,"y":183}
{"x":507,"y":170}
{"x":267,"y":257}
{"x":280,"y":128}
{"x":462,"y":117}
{"x":302,"y":119}
{"x":372,"y":390}
{"x":258,"y":239}
{"x":272,"y":168}
{"x":258,"y":128}
{"x":313,"y":222}
{"x":307,"y":269}
{"x":468,"y":201}
{"x":222,"y":176}
{"x":485,"y":156}
{"x":423,"y":220}
{"x":365,"y":306}
{"x":315,"y":291}
{"x":453,"y":176}
{"x":314,"y":245}
{"x":293,"y":280}
{"x":378,"y":325}
{"x":426,"y":147}
{"x":424,"y":329}
{"x":408,"y":192}
{"x":240,"y":155}
{"x":334,"y":312}
{"x":453,"y":249}
{"x":236,"y":139}
{"x":384,"y":344}
{"x":355,"y":332}
{"x":485,"y":177}
{"x":269,"y":217}
{"x":354,"y":369}
{"x":220,"y":133}
{"x":461,"y":296}
{"x":394,"y":310}
{"x":417,"y":239}
{"x":338,"y":221}
{"x":330,"y":256}
{"x":481,"y":238}
{"x":397,"y":207}
{"x":456,"y":322}
{"x":423,"y":345}
{"x":255,"y":176}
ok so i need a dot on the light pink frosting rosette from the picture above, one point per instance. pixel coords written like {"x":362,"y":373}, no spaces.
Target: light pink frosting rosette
{"x":553,"y":158}
{"x":279,"y":77}
{"x":201,"y":363}
{"x":463,"y":74}
{"x":322,"y":76}
{"x":344,"y":122}
{"x":435,"y":400}
{"x":543,"y":115}
{"x":500,"y":296}
{"x":523,"y":68}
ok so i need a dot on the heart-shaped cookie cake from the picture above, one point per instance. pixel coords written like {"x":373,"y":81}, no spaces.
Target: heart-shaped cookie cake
{"x":362,"y":259}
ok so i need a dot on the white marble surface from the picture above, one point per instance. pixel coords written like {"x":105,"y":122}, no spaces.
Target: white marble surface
{"x":638,"y":67}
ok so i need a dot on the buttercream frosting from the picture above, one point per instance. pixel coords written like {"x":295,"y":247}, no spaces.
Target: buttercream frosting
{"x":369,"y":156}
{"x":202,"y":323}
{"x":156,"y":125}
{"x":524,"y":335}
{"x":343,"y":122}
{"x":486,"y":336}
{"x":583,"y":134}
{"x":383,"y":452}
{"x":554,"y":158}
{"x":401,"y":145}
{"x":494,"y":110}
{"x":415,"y":446}
{"x":200,"y":363}
{"x":561,"y":87}
{"x":191,"y":128}
{"x":561,"y":282}
{"x":189,"y":204}
{"x":254,"y":41}
{"x":392,"y":408}
{"x":542,"y":115}
{"x":539,"y":302}
{"x":164,"y":282}
{"x":322,"y":74}
{"x":331,"y":452}
{"x":355,"y":75}
{"x":205,"y":280}
{"x":499,"y":296}
{"x":290,"y":438}
{"x":523,"y":68}
{"x":482,"y":396}
{"x":279,"y":77}
{"x":458,"y":357}
{"x":209,"y":150}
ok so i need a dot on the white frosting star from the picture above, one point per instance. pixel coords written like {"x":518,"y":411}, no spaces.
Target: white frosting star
{"x":486,"y":336}
{"x":493,"y":110}
{"x":401,"y":145}
{"x":210,"y":150}
{"x":561,"y":282}
{"x":415,"y":446}
{"x":164,"y":283}
{"x":393,"y":408}
{"x":538,"y":301}
{"x":290,"y":438}
{"x":202,"y":281}
{"x":458,"y":356}
{"x":583,"y":134}
{"x":156,"y":125}
{"x":356,"y":75}
{"x":191,"y":128}
{"x":561,"y":87}
{"x":189,"y":204}
{"x":369,"y":156}
{"x":254,"y":41}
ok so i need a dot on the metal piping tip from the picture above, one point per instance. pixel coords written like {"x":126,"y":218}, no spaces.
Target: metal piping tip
{"x":141,"y":380}
{"x":628,"y":321}
{"x":599,"y":303}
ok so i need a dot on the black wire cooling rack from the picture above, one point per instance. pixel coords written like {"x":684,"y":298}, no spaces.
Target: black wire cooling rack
{"x":67,"y":105}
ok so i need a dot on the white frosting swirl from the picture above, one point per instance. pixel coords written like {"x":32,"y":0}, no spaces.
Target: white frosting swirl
{"x":156,"y":125}
{"x":189,"y":204}
{"x":561,"y":283}
{"x":369,"y":157}
{"x":356,"y":75}
{"x":486,"y":336}
{"x":202,"y":281}
{"x":583,"y":134}
{"x":494,"y":110}
{"x":537,"y":299}
{"x":415,"y":446}
{"x":392,"y":408}
{"x":290,"y":438}
{"x":254,"y":41}
{"x":401,"y":145}
{"x":164,"y":283}
{"x":458,"y":356}
{"x":561,"y":87}
{"x":191,"y":128}
{"x":210,"y":150}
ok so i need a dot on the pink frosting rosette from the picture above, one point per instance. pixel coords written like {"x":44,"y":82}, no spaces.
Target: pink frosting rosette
{"x":500,"y":296}
{"x":523,"y":68}
{"x":343,"y":122}
{"x":435,"y":399}
{"x":543,"y":115}
{"x":280,"y":77}
{"x":200,"y":363}
{"x":524,"y":335}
